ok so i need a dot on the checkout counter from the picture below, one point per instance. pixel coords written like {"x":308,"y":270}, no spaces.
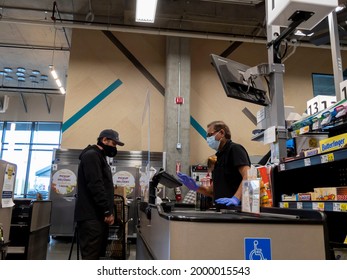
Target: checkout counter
{"x":169,"y":231}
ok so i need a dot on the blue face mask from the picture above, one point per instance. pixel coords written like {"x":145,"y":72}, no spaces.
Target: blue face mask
{"x":212,"y":142}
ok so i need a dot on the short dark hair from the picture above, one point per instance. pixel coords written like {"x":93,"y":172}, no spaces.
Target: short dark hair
{"x":218,"y":125}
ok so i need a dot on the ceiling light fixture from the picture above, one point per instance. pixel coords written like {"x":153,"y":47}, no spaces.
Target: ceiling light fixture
{"x":44,"y":78}
{"x":8,"y":69}
{"x":56,"y":78}
{"x":145,"y":10}
{"x":21,"y":69}
{"x":300,"y":33}
{"x":20,"y":74}
{"x":52,"y":68}
{"x":35,"y":72}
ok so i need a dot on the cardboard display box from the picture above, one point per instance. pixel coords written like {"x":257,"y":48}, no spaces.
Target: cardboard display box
{"x":337,"y":194}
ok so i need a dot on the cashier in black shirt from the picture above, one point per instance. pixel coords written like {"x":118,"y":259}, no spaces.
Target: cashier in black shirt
{"x":230,"y":169}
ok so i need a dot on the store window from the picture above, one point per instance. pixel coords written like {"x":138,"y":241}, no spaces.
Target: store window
{"x":30,"y":146}
{"x":323,"y":84}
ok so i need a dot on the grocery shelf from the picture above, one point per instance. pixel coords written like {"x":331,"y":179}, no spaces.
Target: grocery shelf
{"x":335,"y":206}
{"x":332,"y":156}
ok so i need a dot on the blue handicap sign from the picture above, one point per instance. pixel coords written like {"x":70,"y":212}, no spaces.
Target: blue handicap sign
{"x":257,"y":249}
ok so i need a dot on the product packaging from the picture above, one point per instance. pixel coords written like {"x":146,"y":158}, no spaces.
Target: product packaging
{"x":265,"y":186}
{"x":251,"y":192}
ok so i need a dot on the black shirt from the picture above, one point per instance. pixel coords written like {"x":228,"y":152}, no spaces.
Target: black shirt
{"x":226,"y":175}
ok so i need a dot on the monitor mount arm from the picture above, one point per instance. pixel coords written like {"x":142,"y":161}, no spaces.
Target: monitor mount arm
{"x":297,"y":18}
{"x":256,"y":71}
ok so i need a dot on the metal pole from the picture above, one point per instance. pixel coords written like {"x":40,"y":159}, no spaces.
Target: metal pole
{"x":336,"y":55}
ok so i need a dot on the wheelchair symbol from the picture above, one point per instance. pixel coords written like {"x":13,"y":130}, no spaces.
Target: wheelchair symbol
{"x":256,"y":252}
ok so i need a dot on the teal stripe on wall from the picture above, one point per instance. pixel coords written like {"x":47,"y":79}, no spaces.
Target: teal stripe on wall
{"x":198,"y":127}
{"x":71,"y":121}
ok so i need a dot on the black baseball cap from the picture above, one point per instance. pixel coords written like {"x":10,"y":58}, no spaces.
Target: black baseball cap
{"x":111,"y":134}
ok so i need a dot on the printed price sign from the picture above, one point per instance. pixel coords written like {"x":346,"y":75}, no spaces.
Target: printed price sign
{"x":284,"y":205}
{"x":282,"y":167}
{"x":343,"y":207}
{"x":318,"y":206}
{"x":330,"y":157}
{"x":340,"y":207}
{"x":299,"y":205}
{"x":324,"y":158}
{"x":307,"y":161}
{"x":336,"y":207}
{"x":327,"y":158}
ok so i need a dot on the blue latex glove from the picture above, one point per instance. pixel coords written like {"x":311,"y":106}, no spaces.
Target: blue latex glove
{"x":228,"y":201}
{"x":189,"y":182}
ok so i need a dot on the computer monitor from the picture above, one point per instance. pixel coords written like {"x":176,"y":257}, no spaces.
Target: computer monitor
{"x":231,"y":74}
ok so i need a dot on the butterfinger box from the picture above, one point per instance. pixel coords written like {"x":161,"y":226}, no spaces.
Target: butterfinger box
{"x":333,"y":143}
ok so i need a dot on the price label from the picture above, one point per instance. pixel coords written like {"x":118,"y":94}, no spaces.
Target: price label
{"x":284,"y":205}
{"x":282,"y":167}
{"x":324,"y":158}
{"x":343,"y":207}
{"x":336,"y":207}
{"x":304,"y":129}
{"x":299,"y":205}
{"x":330,"y":157}
{"x":327,"y":158}
{"x":318,"y":206}
{"x":319,"y":103}
{"x":307,"y":161}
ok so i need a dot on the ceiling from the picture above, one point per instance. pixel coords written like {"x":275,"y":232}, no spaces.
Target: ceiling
{"x":37,"y":33}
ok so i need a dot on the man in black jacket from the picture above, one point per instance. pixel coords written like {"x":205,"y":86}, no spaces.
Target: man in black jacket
{"x":95,"y":190}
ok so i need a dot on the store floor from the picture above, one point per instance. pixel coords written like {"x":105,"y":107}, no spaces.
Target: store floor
{"x":59,"y":249}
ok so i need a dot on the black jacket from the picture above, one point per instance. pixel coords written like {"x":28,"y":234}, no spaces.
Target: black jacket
{"x":94,"y":186}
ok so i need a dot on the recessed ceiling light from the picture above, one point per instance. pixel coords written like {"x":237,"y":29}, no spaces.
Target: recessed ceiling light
{"x":20,"y":74}
{"x":2,"y":73}
{"x":21,"y":79}
{"x":32,"y":77}
{"x":8,"y":78}
{"x":21,"y":69}
{"x":35,"y":82}
{"x":44,"y":78}
{"x":8,"y":69}
{"x":36,"y":72}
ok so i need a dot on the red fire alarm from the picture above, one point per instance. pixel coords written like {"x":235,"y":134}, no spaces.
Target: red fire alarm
{"x":179,"y":100}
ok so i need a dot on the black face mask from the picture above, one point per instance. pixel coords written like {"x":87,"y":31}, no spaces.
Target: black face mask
{"x":109,"y":150}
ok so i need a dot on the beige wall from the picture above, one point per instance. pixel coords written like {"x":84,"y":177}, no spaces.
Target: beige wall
{"x":95,"y":63}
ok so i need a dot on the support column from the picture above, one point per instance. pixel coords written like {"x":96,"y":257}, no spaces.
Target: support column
{"x":275,"y":111}
{"x":336,"y":55}
{"x":177,"y":117}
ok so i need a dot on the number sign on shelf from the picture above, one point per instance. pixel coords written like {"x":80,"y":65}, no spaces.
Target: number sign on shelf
{"x":319,"y":103}
{"x":343,"y":89}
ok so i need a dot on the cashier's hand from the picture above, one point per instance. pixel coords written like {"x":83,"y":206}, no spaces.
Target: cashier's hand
{"x":228,"y":201}
{"x":189,"y":182}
